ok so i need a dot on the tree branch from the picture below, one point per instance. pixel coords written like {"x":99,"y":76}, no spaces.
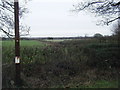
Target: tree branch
{"x":112,"y":20}
{"x":8,"y":34}
{"x":102,"y":8}
{"x":117,"y":4}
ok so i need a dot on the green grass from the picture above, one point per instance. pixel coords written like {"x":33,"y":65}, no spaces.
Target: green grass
{"x":28,"y":48}
{"x":101,"y":84}
{"x":0,"y":44}
{"x":24,"y":43}
{"x":105,"y":84}
{"x":72,"y":63}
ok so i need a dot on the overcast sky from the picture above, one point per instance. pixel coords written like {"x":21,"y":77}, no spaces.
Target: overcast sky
{"x":53,"y":18}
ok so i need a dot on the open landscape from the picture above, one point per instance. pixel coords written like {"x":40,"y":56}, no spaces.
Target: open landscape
{"x":74,"y":63}
{"x":52,"y":44}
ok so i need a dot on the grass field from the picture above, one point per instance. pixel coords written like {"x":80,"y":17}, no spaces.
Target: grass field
{"x":9,"y":45}
{"x":63,"y":63}
{"x":23,"y":43}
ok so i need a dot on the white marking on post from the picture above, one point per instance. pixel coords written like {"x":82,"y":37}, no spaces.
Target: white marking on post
{"x":17,"y":60}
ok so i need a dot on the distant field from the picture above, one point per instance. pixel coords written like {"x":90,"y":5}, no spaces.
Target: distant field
{"x":57,"y":40}
{"x":24,"y":43}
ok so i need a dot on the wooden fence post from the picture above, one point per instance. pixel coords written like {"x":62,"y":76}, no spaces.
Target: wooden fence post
{"x":17,"y":44}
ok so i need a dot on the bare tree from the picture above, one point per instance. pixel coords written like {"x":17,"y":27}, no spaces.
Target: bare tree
{"x":7,"y":17}
{"x":116,"y":31}
{"x":107,"y":9}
